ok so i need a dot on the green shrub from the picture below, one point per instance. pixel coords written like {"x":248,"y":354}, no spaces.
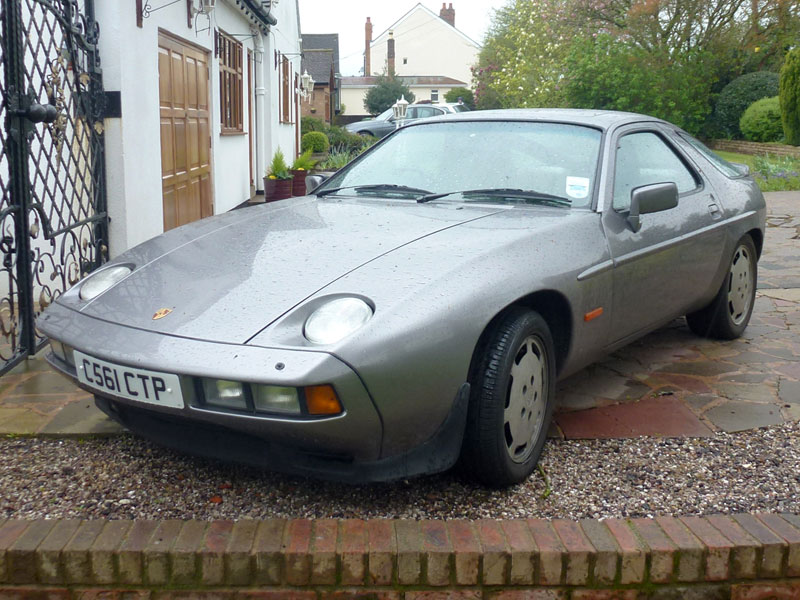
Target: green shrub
{"x":278,"y":169}
{"x":790,"y":97}
{"x":340,"y":137}
{"x":738,"y":95}
{"x":461,"y":92}
{"x":308,"y":124}
{"x":316,"y":141}
{"x":304,"y":162}
{"x":338,"y":158}
{"x":761,"y":122}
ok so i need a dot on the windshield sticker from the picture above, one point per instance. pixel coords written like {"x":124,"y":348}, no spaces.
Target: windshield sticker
{"x":577,"y":187}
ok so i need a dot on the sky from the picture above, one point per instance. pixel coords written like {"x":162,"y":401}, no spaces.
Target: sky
{"x":347,"y":18}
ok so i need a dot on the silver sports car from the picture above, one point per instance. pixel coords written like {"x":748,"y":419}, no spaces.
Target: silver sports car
{"x":418,"y":307}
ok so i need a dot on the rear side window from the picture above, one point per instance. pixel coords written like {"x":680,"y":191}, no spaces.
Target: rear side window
{"x":644,"y":158}
{"x":723,"y":165}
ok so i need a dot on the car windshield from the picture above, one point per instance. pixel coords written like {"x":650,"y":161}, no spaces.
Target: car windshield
{"x":532,"y":159}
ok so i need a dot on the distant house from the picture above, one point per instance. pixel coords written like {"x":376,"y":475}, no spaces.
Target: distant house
{"x":321,"y":61}
{"x":207,"y":92}
{"x":424,"y":49}
{"x":425,"y":87}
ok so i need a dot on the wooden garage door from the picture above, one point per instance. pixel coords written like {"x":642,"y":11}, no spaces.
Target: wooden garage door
{"x":185,"y":132}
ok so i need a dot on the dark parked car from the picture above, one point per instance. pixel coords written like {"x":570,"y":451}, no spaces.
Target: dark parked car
{"x":417,"y":308}
{"x":384,"y":123}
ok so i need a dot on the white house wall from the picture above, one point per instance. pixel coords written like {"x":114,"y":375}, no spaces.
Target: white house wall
{"x":430,"y":46}
{"x":133,"y":148}
{"x":353,"y":97}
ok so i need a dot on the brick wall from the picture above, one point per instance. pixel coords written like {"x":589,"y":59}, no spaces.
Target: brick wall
{"x":740,"y":557}
{"x":754,"y":148}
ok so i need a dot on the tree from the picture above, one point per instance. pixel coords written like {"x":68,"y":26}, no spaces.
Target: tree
{"x":386,"y":92}
{"x":464,"y":93}
{"x":521,"y":62}
{"x":789,"y":96}
{"x":607,"y":73}
{"x":738,"y":95}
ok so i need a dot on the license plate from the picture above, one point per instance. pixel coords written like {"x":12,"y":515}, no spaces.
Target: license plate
{"x":150,"y":387}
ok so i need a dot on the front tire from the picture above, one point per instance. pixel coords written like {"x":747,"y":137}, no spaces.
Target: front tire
{"x":512,"y":399}
{"x":728,"y":314}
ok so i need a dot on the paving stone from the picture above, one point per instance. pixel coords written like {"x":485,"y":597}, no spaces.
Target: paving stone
{"x":789,"y":391}
{"x":20,"y":420}
{"x":740,"y":416}
{"x":662,"y":417}
{"x":699,"y":402}
{"x":701,"y":368}
{"x":81,"y":417}
{"x":749,"y":392}
{"x":43,"y":383}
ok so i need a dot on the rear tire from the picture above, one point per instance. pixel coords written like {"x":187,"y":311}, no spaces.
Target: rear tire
{"x":511,"y":402}
{"x":727,"y":315}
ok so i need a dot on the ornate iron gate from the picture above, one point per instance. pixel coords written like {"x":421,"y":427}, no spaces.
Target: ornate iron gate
{"x":53,"y":220}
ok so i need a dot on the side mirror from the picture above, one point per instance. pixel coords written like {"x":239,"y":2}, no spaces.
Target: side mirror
{"x":649,"y":199}
{"x":742,"y":168}
{"x":314,"y":181}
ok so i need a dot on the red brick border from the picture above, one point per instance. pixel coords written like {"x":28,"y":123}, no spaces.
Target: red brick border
{"x":741,"y":556}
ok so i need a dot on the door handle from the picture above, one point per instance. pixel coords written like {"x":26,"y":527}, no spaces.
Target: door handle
{"x":713,"y":208}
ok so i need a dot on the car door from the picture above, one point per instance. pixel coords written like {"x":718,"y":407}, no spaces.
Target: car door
{"x":665,"y":267}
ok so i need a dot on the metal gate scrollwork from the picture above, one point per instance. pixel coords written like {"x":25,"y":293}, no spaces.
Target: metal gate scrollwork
{"x":53,"y":219}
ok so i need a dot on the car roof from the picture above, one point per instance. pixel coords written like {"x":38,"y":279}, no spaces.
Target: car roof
{"x":604,"y":119}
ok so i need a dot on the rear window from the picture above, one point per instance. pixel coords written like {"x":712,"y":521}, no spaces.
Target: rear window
{"x":723,"y":165}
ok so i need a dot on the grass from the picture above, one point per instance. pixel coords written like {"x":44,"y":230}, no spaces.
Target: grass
{"x":772,"y":173}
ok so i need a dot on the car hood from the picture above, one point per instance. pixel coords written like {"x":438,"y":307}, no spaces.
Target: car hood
{"x":226,"y":279}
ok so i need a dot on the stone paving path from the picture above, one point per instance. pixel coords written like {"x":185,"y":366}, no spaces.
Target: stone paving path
{"x":670,"y":383}
{"x":693,"y":386}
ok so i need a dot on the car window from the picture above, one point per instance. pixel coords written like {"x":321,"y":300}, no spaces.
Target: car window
{"x":411,"y":112}
{"x":426,"y":111}
{"x":720,"y":163}
{"x":460,"y":108}
{"x":384,"y":115}
{"x":552,"y":158}
{"x":644,"y":158}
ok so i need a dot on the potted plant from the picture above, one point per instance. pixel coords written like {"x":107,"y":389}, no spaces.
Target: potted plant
{"x":300,"y":168}
{"x":278,"y":181}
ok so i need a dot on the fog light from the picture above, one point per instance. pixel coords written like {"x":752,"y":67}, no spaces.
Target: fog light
{"x":221,"y":393}
{"x":322,"y":400}
{"x":58,"y":350}
{"x":69,"y":355}
{"x":276,"y":399}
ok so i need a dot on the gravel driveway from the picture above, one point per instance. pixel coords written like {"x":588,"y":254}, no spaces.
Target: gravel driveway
{"x":128,"y":478}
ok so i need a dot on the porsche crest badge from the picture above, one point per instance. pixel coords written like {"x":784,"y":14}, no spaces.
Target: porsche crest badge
{"x":161,"y":313}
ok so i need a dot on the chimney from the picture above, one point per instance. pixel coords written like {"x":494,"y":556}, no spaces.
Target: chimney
{"x":367,"y":41}
{"x":448,"y":14}
{"x":390,"y":52}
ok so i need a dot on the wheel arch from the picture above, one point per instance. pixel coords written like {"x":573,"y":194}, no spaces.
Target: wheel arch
{"x":758,"y":240}
{"x":554,"y":308}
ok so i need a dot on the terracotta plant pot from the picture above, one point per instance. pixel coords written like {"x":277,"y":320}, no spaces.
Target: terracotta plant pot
{"x":283,"y":189}
{"x":269,"y":189}
{"x":299,"y":182}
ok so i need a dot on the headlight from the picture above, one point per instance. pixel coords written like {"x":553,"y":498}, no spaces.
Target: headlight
{"x":275,"y":399}
{"x":220,"y":393}
{"x":99,"y":282}
{"x":336,"y":320}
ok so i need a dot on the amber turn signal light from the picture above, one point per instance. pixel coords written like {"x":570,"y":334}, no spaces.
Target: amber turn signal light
{"x":322,"y":400}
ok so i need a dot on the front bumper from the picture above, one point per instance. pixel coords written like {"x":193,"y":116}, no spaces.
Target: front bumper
{"x":331,"y":437}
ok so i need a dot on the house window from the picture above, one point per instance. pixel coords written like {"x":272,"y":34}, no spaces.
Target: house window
{"x":434,"y":95}
{"x":405,"y":61}
{"x":286,"y":91}
{"x":230,"y":84}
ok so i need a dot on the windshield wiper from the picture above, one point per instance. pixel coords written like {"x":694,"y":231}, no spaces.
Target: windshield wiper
{"x":378,"y":187}
{"x":504,"y":193}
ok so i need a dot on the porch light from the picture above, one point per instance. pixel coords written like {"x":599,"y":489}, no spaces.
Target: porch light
{"x":306,"y":84}
{"x":400,"y":109}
